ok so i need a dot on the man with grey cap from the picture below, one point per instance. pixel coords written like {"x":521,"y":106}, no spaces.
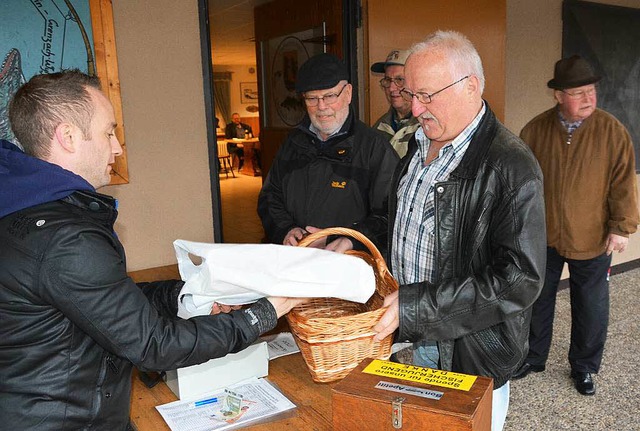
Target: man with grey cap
{"x":588,"y":162}
{"x":398,"y":122}
{"x":332,"y":170}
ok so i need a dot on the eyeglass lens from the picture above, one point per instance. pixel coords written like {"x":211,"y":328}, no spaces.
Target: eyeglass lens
{"x":328,"y":99}
{"x":386,"y":82}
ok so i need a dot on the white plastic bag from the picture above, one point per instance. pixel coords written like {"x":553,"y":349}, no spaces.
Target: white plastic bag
{"x":234,"y":274}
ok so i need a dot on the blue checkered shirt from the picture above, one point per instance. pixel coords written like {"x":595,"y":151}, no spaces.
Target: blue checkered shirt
{"x":413,"y":248}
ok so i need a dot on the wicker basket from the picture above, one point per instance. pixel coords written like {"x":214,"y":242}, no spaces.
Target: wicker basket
{"x":335,"y":335}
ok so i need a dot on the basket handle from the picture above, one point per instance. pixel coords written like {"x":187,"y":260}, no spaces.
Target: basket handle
{"x":381,"y":265}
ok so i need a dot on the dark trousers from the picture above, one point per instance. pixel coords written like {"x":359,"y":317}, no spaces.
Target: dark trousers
{"x":589,"y":293}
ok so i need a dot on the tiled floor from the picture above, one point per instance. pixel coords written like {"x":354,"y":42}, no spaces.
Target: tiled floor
{"x":240,"y":221}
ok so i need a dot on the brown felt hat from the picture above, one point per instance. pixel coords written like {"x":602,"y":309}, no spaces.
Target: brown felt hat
{"x":572,"y":72}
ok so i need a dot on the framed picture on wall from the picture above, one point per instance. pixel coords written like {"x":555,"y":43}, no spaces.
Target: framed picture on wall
{"x":281,"y":58}
{"x":46,"y":36}
{"x":248,"y":92}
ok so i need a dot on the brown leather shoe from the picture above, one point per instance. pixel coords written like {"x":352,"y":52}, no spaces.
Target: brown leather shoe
{"x":584,"y":382}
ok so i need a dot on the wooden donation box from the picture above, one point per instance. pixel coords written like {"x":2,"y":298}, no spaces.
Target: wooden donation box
{"x":380,"y":395}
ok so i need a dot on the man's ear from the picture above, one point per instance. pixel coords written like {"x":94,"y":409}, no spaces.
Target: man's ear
{"x":66,"y":137}
{"x":473,"y":84}
{"x":557,"y":94}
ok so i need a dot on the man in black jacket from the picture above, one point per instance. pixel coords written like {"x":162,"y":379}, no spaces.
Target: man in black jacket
{"x":467,"y":228}
{"x":237,"y":129}
{"x":73,"y":323}
{"x":333,"y":170}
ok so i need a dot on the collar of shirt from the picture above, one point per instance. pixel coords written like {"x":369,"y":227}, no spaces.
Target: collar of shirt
{"x":569,"y":126}
{"x":338,"y":132}
{"x":413,"y":256}
{"x":398,"y":123}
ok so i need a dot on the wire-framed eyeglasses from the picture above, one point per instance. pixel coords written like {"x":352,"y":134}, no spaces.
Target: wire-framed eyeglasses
{"x":426,"y":98}
{"x":580,"y":94}
{"x":386,"y":82}
{"x":329,"y":99}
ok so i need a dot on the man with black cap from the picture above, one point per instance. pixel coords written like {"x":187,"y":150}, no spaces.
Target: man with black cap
{"x":588,"y":162}
{"x":332,"y":170}
{"x":398,"y":122}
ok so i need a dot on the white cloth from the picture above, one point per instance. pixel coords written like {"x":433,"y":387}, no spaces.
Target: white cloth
{"x":235,"y":274}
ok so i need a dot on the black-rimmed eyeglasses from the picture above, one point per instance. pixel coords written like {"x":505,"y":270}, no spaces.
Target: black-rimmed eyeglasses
{"x":329,"y":99}
{"x":425,"y":98}
{"x":386,"y":82}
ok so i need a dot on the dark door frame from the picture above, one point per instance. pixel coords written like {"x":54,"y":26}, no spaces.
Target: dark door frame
{"x":209,"y":109}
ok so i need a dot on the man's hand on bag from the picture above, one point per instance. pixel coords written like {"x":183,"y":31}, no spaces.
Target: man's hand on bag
{"x":390,"y":320}
{"x":284,"y":305}
{"x":294,"y":236}
{"x":616,"y":242}
{"x":222,"y":308}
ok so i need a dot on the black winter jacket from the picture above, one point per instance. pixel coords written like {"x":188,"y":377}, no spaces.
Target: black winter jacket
{"x":74,"y":325}
{"x":491,"y":252}
{"x":341,"y":182}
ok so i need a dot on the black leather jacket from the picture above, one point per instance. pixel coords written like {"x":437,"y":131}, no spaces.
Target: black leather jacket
{"x":490,"y":237}
{"x":74,"y":325}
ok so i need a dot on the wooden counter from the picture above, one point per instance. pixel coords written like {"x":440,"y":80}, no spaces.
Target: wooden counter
{"x":288,"y":373}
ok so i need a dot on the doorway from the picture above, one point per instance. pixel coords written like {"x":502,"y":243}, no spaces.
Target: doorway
{"x":231,"y":49}
{"x":234,"y":85}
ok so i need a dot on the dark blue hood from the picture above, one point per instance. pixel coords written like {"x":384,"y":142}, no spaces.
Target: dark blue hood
{"x":26,"y":181}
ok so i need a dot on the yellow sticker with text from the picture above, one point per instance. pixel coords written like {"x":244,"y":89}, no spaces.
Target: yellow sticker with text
{"x":429,"y":376}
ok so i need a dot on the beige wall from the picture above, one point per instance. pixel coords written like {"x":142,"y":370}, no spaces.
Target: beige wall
{"x":410,"y":21}
{"x":158,"y":44}
{"x":534,"y":44}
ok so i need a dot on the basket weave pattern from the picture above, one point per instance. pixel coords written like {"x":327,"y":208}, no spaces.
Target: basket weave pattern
{"x":335,"y":335}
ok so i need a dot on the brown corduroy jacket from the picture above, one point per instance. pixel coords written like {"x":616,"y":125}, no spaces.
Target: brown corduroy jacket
{"x":589,"y":181}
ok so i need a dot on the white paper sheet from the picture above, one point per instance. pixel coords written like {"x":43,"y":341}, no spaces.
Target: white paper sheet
{"x":281,"y":344}
{"x":237,"y":274}
{"x":259,"y":400}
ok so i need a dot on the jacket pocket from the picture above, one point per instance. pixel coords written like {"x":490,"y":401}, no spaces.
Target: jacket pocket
{"x":500,"y":349}
{"x":480,"y":223}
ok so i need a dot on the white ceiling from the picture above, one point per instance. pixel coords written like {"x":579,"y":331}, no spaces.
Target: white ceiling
{"x":232,"y":37}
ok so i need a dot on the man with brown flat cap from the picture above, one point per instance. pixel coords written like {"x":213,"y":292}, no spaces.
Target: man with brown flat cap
{"x":332,"y":170}
{"x":398,"y":123}
{"x":588,"y":162}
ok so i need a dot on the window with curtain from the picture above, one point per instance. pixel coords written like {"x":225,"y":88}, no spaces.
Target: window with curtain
{"x":222,"y":96}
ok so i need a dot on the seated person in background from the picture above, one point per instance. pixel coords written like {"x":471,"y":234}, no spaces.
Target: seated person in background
{"x":332,"y":170}
{"x":398,"y":123}
{"x":237,"y":130}
{"x":73,"y":323}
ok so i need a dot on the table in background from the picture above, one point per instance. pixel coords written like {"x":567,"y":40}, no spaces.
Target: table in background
{"x":250,"y":163}
{"x":288,"y":373}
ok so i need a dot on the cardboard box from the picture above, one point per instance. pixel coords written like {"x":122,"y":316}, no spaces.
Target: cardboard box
{"x":191,"y":382}
{"x":381,"y":395}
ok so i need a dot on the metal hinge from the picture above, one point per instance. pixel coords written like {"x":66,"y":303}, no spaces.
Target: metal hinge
{"x":396,"y":412}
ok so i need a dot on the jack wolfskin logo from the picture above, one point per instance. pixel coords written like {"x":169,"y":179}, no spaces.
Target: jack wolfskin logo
{"x":338,"y":184}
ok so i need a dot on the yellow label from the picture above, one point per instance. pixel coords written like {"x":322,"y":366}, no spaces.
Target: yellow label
{"x":429,"y":376}
{"x":338,"y":184}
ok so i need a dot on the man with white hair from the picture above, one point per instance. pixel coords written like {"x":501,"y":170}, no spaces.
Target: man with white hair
{"x":466,"y":225}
